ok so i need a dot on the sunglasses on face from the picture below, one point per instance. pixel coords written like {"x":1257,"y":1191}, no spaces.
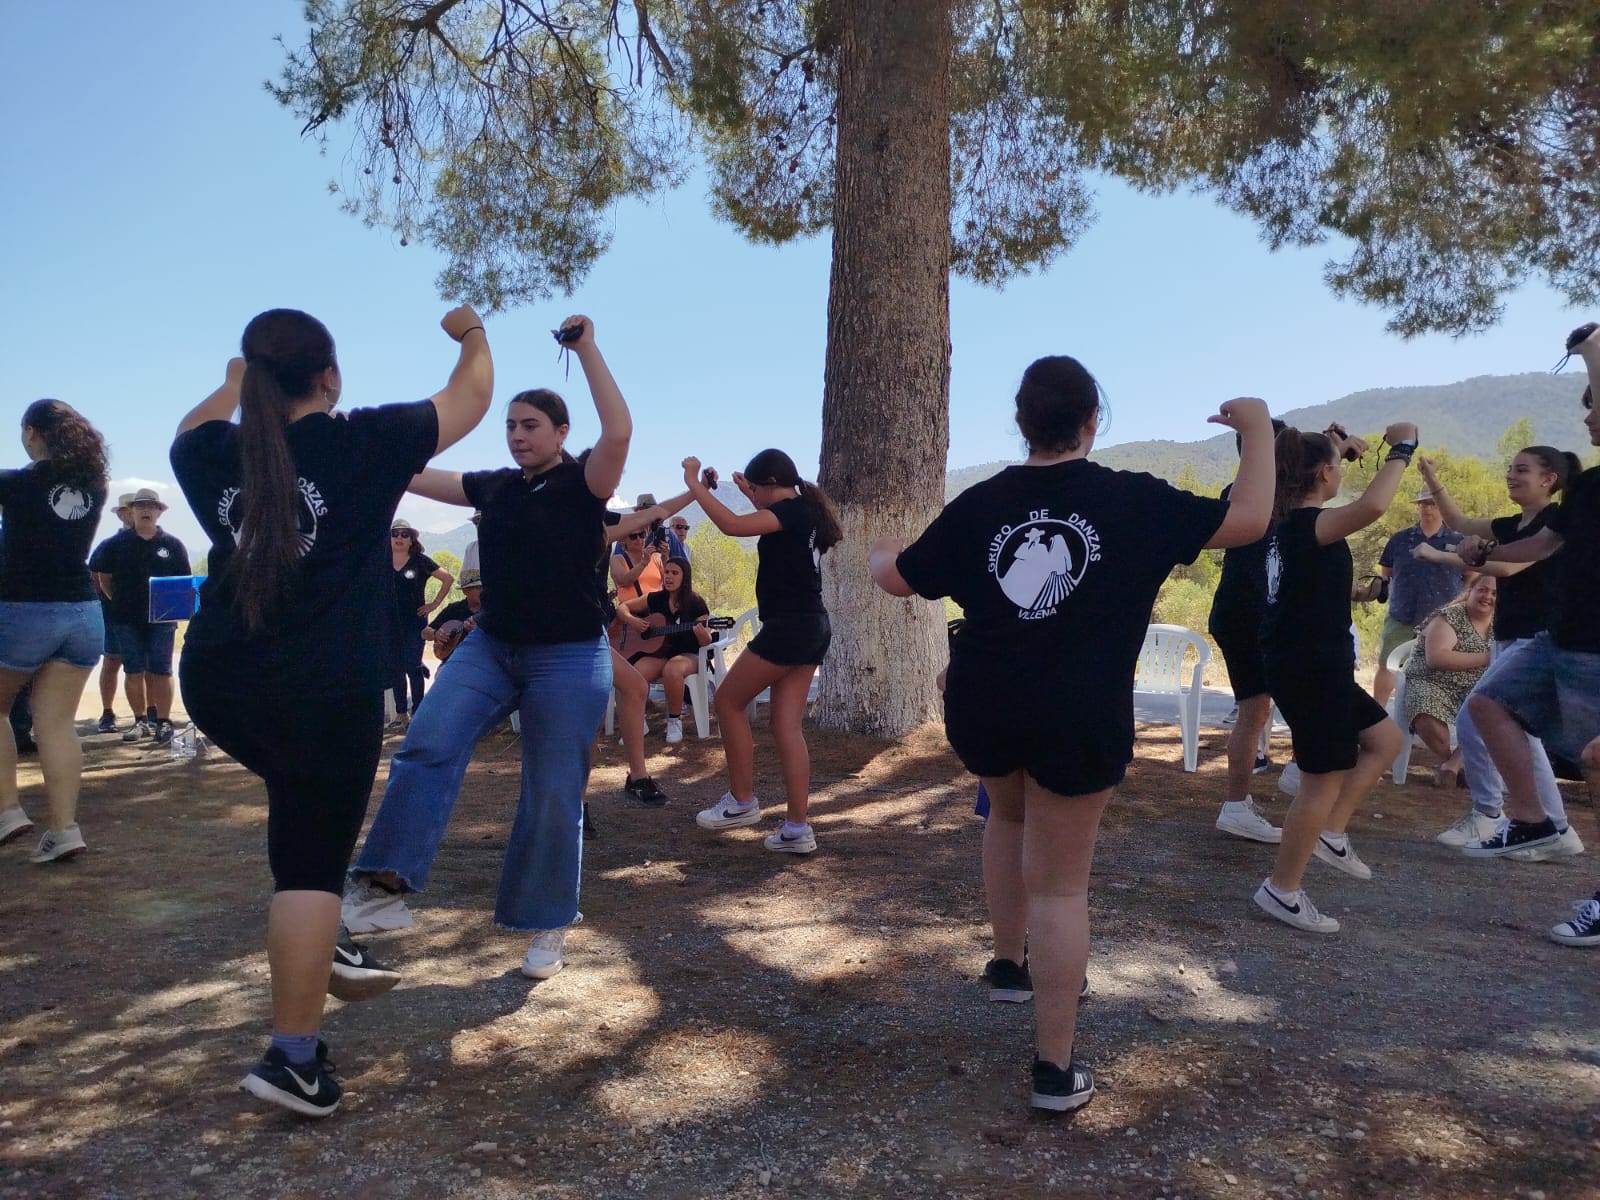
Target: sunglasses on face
{"x":400,"y":533}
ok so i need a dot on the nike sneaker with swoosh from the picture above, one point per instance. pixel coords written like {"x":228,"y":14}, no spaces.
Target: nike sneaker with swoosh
{"x":356,"y":975}
{"x":1336,"y":851}
{"x":1293,"y":908}
{"x":306,"y":1088}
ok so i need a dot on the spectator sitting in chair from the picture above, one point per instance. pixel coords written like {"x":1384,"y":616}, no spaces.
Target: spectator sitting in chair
{"x":1452,"y":653}
{"x":127,"y":565}
{"x":679,"y":654}
{"x":464,"y":612}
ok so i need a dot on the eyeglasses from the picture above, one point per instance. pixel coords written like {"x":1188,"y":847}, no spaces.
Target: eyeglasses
{"x":680,"y":529}
{"x":634,"y":537}
{"x":400,"y":533}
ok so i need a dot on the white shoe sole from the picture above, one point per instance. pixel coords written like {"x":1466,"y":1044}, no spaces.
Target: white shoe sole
{"x":1560,"y":848}
{"x":1062,"y":1103}
{"x":381,"y":919}
{"x":1477,"y":850}
{"x":543,"y":971}
{"x":1352,"y":867}
{"x":1270,"y":905}
{"x":16,"y":831}
{"x":262,"y":1090}
{"x":56,"y":856}
{"x":354,"y":984}
{"x":707,"y":821}
{"x":1250,"y":833}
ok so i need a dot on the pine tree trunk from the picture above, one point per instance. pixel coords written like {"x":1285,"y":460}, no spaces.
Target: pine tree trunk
{"x":885,"y":409}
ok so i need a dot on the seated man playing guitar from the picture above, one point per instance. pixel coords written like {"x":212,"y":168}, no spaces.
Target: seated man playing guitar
{"x":669,"y":627}
{"x":454,"y":621}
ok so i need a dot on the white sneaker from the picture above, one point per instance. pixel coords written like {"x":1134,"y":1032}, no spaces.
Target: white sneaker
{"x":804,"y":843}
{"x":674,"y":730}
{"x":1240,"y":818}
{"x":59,"y":844}
{"x":368,"y":908}
{"x":13,"y":824}
{"x":137,"y":731}
{"x":1336,"y":851}
{"x":1232,"y":717}
{"x":1289,"y":779}
{"x":545,"y":952}
{"x":1472,"y":828}
{"x":1294,"y":909}
{"x":1568,"y":845}
{"x":728,"y":813}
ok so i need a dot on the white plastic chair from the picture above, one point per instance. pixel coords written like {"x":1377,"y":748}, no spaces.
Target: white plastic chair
{"x":699,"y":687}
{"x":1396,"y":662}
{"x":1160,"y":673}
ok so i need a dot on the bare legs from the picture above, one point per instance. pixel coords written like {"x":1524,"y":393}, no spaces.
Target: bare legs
{"x":631,"y":692}
{"x":1435,"y":734}
{"x":1243,"y":742}
{"x":57,"y":688}
{"x":1037,"y":851}
{"x":302,"y":927}
{"x":1328,"y":800}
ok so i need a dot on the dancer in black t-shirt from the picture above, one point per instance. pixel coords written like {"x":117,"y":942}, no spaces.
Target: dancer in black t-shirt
{"x":284,"y":666}
{"x":51,"y":630}
{"x":1551,"y":689}
{"x":678,"y":657}
{"x":1343,"y":740}
{"x":539,"y":649}
{"x":1235,"y":625}
{"x":1056,"y":564}
{"x":796,"y":525}
{"x":1534,"y":478}
{"x":412,"y":570}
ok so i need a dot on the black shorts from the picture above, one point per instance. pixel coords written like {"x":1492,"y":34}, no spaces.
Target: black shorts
{"x":798,"y":640}
{"x":995,"y":732}
{"x":1240,"y":643}
{"x":1326,"y":710}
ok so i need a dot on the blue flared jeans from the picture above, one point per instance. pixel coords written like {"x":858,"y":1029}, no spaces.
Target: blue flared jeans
{"x":560,"y":692}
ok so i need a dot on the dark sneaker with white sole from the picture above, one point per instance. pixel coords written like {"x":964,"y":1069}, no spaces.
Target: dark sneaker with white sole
{"x":1059,"y":1090}
{"x":645,"y":791}
{"x":306,"y":1088}
{"x":1584,"y":928}
{"x":1008,"y":983}
{"x":1512,"y":836}
{"x":356,"y":975}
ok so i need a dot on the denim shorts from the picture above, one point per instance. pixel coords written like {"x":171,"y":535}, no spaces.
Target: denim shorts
{"x":34,"y":632}
{"x":1553,"y":693}
{"x":146,"y":648}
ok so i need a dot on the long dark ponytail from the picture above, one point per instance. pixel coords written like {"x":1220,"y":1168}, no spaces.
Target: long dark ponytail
{"x":284,"y":352}
{"x":777,"y":469}
{"x":76,"y":449}
{"x":1299,"y":457}
{"x":1563,"y":464}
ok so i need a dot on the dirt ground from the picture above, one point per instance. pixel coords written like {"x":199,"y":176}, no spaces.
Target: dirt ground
{"x":737,"y":1023}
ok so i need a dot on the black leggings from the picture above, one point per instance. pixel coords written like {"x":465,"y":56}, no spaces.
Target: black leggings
{"x":411,"y":668}
{"x":318,"y":756}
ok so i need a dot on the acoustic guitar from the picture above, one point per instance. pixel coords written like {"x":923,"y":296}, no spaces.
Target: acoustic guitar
{"x":448,"y":636}
{"x":628,"y":642}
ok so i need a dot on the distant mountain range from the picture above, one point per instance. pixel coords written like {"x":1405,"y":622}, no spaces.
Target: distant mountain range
{"x":1465,"y":418}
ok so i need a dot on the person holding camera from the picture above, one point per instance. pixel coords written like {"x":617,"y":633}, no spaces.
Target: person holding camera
{"x":1417,"y":587}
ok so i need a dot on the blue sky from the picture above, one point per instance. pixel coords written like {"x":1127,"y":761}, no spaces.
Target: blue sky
{"x":156,"y":198}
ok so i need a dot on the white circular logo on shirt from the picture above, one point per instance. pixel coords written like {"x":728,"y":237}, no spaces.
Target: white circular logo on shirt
{"x":1040,"y":562}
{"x":410,"y":573}
{"x":310,"y":508}
{"x":68,"y":502}
{"x":163,"y":552}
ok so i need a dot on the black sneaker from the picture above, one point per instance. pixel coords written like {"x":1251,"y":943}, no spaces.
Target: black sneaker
{"x":108,"y":723}
{"x":645,"y":791}
{"x":589,"y":830}
{"x":1263,"y":763}
{"x":1514,"y":835}
{"x":163,"y":733}
{"x":1008,"y":983}
{"x":1061,"y":1090}
{"x":356,"y":975}
{"x":308,"y":1089}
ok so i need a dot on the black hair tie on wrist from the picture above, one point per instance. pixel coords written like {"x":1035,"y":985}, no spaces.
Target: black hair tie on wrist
{"x":469,"y":329}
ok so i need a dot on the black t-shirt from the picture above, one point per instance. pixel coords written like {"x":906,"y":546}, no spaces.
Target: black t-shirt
{"x":411,"y":587}
{"x":1524,"y":601}
{"x":1241,"y":596}
{"x":537,"y":547}
{"x":1575,"y":620}
{"x":1308,"y":596}
{"x":50,"y":526}
{"x":352,"y":472}
{"x":788,"y":567}
{"x":458,"y":610}
{"x":98,"y":561}
{"x":132,"y":562}
{"x":676,"y":643}
{"x":1056,"y":569}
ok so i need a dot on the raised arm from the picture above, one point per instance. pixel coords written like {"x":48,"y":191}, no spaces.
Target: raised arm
{"x":1450,"y":558}
{"x":435,"y":484}
{"x":1335,"y":524}
{"x":465,"y":398}
{"x":646,"y":517}
{"x":733,"y":524}
{"x":1250,"y":501}
{"x":603,"y":470}
{"x":1453,"y":516}
{"x":882,"y":561}
{"x":222,"y":403}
